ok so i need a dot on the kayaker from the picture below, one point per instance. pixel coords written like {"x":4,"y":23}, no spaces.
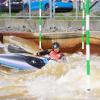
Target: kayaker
{"x":54,"y":53}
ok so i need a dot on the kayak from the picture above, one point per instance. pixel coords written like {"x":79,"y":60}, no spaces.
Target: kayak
{"x":17,"y":60}
{"x":21,"y":62}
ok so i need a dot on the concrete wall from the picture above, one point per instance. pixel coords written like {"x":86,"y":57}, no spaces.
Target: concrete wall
{"x":27,"y":25}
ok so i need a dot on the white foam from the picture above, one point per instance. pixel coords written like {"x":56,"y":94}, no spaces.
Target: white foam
{"x":72,"y":83}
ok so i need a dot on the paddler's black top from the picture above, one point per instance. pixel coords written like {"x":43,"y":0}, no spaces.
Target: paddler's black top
{"x":44,"y":52}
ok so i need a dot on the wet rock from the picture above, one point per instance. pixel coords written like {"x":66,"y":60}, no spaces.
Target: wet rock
{"x":24,"y":26}
{"x":73,"y":29}
{"x":9,"y":27}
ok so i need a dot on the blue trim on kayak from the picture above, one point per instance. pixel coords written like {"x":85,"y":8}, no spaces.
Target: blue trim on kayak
{"x":21,"y":62}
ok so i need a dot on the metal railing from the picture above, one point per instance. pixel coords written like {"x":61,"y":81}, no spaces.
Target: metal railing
{"x":76,"y":13}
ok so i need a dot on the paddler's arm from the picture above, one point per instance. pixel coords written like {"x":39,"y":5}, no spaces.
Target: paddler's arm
{"x":43,"y":52}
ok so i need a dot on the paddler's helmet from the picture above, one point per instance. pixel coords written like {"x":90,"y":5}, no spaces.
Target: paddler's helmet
{"x":55,"y":45}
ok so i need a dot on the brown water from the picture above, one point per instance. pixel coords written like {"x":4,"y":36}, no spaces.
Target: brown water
{"x":55,"y":81}
{"x":68,"y":45}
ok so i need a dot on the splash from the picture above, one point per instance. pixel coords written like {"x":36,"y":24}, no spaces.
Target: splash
{"x":55,"y":81}
{"x":66,"y":81}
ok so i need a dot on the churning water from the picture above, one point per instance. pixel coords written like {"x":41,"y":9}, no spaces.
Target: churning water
{"x":56,"y":81}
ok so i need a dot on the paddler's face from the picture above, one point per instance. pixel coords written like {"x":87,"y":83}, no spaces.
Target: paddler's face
{"x":57,"y":50}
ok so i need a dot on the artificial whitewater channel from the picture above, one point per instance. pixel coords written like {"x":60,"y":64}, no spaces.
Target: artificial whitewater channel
{"x":55,"y":81}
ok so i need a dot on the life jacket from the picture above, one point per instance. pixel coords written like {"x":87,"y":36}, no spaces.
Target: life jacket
{"x":55,"y":56}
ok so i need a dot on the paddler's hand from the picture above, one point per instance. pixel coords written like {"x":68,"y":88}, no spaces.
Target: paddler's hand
{"x":37,"y":54}
{"x":63,"y":59}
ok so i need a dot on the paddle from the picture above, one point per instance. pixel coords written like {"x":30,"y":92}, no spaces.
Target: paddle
{"x":16,"y":49}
